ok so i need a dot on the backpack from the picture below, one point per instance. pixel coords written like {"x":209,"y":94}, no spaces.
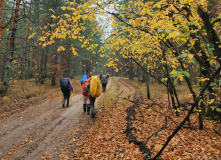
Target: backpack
{"x":84,"y":86}
{"x":84,"y":77}
{"x":65,"y":84}
{"x":104,"y":79}
{"x":95,"y":87}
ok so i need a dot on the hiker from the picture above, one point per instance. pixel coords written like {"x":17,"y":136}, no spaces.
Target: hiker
{"x":107,"y":74}
{"x":88,"y":76}
{"x":87,"y":92}
{"x":100,"y":76}
{"x":104,"y":82}
{"x":86,"y":96}
{"x":94,"y":90}
{"x":84,"y":77}
{"x":66,"y":88}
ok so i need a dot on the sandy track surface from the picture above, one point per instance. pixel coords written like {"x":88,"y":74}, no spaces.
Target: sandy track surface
{"x":32,"y":134}
{"x":41,"y":131}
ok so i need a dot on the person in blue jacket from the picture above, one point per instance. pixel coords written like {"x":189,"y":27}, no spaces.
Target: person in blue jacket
{"x":66,"y":88}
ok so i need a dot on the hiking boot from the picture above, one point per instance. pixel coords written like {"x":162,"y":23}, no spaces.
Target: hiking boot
{"x":84,"y":107}
{"x":93,"y":112}
{"x":63,"y":106}
{"x":88,"y":109}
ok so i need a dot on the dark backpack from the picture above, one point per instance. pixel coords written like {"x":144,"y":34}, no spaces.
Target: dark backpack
{"x":104,"y":79}
{"x":65,"y":84}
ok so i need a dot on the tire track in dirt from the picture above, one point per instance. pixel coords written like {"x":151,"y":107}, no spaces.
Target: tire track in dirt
{"x":49,"y":113}
{"x":126,"y":85}
{"x":131,"y":115}
{"x":123,"y":87}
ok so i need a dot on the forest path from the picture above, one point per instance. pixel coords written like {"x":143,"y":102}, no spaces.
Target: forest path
{"x":43,"y":131}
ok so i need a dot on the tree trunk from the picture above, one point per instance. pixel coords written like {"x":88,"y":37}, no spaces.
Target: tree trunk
{"x":1,"y":26}
{"x":131,"y":71}
{"x":211,"y":33}
{"x":4,"y":58}
{"x":54,"y":64}
{"x":6,"y":78}
{"x":43,"y":66}
{"x":29,"y":56}
{"x":187,"y":79}
{"x":148,"y":85}
{"x":170,"y":85}
{"x":54,"y":68}
{"x":88,"y":66}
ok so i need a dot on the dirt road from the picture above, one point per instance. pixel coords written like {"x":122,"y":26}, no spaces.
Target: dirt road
{"x":41,"y":131}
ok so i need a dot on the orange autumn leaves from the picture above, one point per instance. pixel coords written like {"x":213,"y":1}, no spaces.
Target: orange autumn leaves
{"x":107,"y":139}
{"x":187,"y":143}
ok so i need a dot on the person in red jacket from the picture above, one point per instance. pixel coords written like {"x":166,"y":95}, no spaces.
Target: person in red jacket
{"x":91,"y":100}
{"x":107,"y":74}
{"x":86,"y":96}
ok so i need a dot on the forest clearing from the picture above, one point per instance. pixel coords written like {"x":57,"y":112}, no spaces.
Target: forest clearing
{"x":159,"y":59}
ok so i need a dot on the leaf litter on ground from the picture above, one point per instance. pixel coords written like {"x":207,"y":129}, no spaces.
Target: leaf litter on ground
{"x":106,"y":138}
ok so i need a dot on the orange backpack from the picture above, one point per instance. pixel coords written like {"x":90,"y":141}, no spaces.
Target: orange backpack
{"x":84,"y":86}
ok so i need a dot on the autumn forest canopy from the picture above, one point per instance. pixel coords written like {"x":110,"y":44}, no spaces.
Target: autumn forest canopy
{"x":170,"y":42}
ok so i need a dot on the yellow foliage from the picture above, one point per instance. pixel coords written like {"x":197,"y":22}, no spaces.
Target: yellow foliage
{"x":53,"y":16}
{"x":42,"y":39}
{"x":190,"y":56}
{"x":143,"y":46}
{"x":202,"y":79}
{"x":32,"y":35}
{"x":173,"y":34}
{"x":192,"y":42}
{"x":63,"y":8}
{"x":61,"y":48}
{"x":173,"y":72}
{"x":44,"y":45}
{"x":180,"y":77}
{"x":102,"y":55}
{"x":211,"y":101}
{"x":74,"y":51}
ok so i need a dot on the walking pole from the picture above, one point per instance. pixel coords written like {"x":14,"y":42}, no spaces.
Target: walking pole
{"x":70,"y":96}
